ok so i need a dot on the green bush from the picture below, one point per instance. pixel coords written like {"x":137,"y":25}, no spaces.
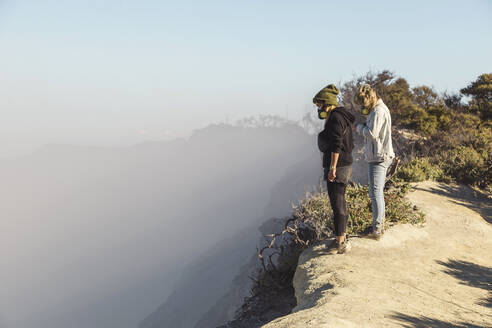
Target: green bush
{"x":469,"y":163}
{"x":464,"y":156}
{"x":420,"y":169}
{"x":464,"y":164}
{"x":482,"y":142}
{"x":315,"y":211}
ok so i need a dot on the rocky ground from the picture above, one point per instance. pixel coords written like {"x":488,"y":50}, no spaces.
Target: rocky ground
{"x":438,"y":275}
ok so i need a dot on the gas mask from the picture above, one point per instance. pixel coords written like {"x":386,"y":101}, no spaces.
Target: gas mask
{"x":366,"y":97}
{"x":322,"y":114}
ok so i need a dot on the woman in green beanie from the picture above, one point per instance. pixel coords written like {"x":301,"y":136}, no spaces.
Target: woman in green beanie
{"x":336,"y":143}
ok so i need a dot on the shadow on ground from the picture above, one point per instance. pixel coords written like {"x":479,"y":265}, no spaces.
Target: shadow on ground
{"x":469,"y":274}
{"x":466,"y":196}
{"x":408,"y":321}
{"x":472,"y":275}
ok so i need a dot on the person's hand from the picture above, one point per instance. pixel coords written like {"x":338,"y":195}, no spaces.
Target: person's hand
{"x":359,"y":127}
{"x":332,"y":174}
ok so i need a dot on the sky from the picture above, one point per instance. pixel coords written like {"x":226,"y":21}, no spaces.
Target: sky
{"x":116,"y":73}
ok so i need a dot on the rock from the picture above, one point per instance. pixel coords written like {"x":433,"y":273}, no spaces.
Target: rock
{"x":439,"y":275}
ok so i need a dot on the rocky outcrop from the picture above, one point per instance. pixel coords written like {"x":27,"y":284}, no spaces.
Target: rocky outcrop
{"x":439,"y":275}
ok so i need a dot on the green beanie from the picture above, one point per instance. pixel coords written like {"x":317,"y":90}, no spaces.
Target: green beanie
{"x":327,"y":95}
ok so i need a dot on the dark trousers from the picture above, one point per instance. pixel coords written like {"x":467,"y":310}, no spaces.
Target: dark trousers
{"x":336,"y":192}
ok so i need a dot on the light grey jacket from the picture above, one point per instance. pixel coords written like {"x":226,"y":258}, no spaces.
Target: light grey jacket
{"x":377,"y":134}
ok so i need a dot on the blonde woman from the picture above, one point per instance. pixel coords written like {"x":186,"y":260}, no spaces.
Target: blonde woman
{"x":378,"y":151}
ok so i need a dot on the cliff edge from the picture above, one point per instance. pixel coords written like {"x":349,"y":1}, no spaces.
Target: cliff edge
{"x":439,"y":275}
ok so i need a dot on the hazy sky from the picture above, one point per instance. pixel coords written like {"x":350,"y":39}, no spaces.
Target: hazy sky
{"x":119,"y":72}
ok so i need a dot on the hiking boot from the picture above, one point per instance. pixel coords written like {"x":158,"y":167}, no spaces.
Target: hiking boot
{"x":344,"y":247}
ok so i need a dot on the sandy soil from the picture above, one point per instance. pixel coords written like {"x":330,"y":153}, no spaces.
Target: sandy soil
{"x":439,"y":275}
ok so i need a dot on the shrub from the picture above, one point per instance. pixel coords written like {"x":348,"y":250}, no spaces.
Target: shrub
{"x":315,"y":211}
{"x":464,"y":164}
{"x":464,"y":156}
{"x":420,"y":169}
{"x":482,"y":141}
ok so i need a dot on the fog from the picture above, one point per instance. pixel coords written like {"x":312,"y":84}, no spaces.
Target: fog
{"x":96,"y":237}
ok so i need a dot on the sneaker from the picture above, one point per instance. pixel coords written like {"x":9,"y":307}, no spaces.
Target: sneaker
{"x":377,"y":233}
{"x":333,"y":248}
{"x":344,"y":247}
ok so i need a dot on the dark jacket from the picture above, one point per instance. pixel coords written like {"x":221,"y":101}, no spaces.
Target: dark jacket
{"x":337,"y":137}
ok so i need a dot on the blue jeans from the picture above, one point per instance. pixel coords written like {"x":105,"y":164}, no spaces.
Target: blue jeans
{"x":377,"y":177}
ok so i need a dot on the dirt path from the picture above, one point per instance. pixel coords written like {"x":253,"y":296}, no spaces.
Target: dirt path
{"x":436,"y":276}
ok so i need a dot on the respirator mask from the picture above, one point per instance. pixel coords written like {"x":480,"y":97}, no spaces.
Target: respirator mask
{"x":322,"y":114}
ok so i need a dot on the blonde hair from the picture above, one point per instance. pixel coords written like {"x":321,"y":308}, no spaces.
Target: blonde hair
{"x":366,"y":96}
